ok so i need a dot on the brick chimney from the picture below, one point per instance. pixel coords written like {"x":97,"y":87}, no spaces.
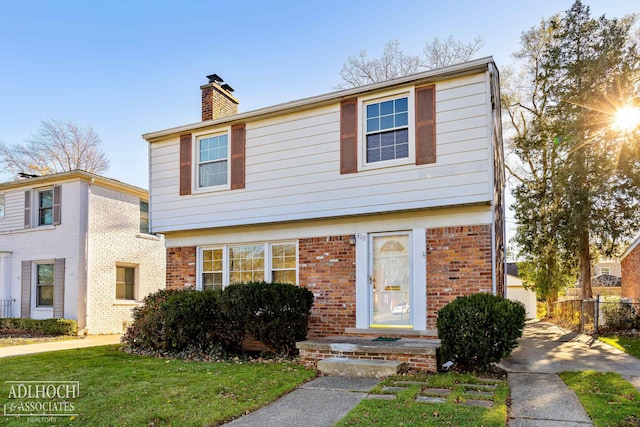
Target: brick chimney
{"x":217,"y":100}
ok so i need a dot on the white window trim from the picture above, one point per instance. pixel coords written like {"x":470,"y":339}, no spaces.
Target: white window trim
{"x":3,"y":203}
{"x":34,"y":285}
{"x":225,"y":260}
{"x":608,"y":270}
{"x":195,"y":164}
{"x":136,"y":282}
{"x":362,"y":130}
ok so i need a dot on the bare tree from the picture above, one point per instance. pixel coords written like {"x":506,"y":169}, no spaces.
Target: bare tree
{"x":57,"y":146}
{"x":360,"y":69}
{"x":442,"y":53}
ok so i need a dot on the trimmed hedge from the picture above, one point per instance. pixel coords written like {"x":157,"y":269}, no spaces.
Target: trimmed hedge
{"x":478,"y":330}
{"x":44,"y":327}
{"x":276,"y":314}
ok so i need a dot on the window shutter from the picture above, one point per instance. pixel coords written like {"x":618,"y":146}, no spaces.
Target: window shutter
{"x":57,"y":193}
{"x":185,"y":164}
{"x":58,"y":288}
{"x":349,"y":136}
{"x":25,"y":291}
{"x":425,"y":125}
{"x":27,"y":209}
{"x":238,"y":142}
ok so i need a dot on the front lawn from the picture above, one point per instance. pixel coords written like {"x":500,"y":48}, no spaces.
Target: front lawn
{"x":120,"y":389}
{"x":626,"y":343}
{"x":453,"y":391}
{"x":609,"y":399}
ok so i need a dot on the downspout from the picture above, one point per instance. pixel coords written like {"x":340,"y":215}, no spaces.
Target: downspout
{"x":87,"y":259}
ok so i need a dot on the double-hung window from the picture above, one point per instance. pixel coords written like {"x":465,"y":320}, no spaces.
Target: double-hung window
{"x":44,"y":284}
{"x":271,"y":262}
{"x":213,"y":160}
{"x":45,"y":207}
{"x":387,"y":129}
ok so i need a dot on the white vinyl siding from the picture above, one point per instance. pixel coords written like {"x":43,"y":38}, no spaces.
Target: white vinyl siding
{"x":293,"y":169}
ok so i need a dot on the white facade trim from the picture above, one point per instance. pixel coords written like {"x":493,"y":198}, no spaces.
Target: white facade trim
{"x":437,"y":218}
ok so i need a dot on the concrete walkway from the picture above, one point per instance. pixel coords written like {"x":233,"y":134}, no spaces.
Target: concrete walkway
{"x":88,"y":341}
{"x":538,"y":396}
{"x":318,"y":403}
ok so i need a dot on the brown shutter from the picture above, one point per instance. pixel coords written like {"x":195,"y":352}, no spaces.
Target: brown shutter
{"x":185,"y":164}
{"x":349,"y":136}
{"x":58,"y":288}
{"x":425,"y":125}
{"x":27,"y":209}
{"x":238,"y":142}
{"x":57,"y":194}
{"x":25,"y":290}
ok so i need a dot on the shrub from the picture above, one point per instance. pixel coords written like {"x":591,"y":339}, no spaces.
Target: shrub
{"x":44,"y":327}
{"x":190,"y":319}
{"x":479,"y":330}
{"x":277,"y":313}
{"x":617,"y":314}
{"x":148,"y":329}
{"x":274,"y":313}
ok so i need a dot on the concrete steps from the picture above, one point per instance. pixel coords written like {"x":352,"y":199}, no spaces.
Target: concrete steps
{"x":343,"y":367}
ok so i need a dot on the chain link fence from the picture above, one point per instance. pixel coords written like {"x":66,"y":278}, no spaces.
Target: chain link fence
{"x":601,"y":314}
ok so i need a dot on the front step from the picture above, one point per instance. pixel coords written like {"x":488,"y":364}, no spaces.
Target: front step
{"x":340,"y":366}
{"x":414,"y":353}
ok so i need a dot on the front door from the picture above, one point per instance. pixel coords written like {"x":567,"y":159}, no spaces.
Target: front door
{"x":390,"y":280}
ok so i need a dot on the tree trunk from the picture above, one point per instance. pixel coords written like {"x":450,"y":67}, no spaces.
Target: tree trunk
{"x":551,"y":300}
{"x":585,"y":266}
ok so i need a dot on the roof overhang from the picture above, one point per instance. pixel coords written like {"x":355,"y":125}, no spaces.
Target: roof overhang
{"x":75,"y":175}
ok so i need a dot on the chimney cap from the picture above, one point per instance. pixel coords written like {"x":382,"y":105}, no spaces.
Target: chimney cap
{"x":227,"y":87}
{"x":214,"y":78}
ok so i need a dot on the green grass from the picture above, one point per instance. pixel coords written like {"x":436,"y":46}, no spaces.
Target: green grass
{"x":405,"y":411}
{"x":608,"y":398}
{"x":626,"y":343}
{"x":119,"y":389}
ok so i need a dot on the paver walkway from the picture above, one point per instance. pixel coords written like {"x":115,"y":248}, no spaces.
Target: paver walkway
{"x":538,"y":396}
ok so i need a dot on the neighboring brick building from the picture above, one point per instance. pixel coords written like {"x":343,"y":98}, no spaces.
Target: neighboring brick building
{"x":76,"y":245}
{"x":630,"y":262}
{"x":386,"y":200}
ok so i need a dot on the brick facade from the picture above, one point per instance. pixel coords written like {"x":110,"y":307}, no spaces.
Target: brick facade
{"x":458,"y":263}
{"x":631,"y":275}
{"x":181,"y":267}
{"x":327,"y":267}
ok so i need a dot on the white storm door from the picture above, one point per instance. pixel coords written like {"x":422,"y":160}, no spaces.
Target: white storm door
{"x":390,"y":272}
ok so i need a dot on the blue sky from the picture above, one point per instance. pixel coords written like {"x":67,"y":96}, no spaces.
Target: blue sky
{"x":126,"y":68}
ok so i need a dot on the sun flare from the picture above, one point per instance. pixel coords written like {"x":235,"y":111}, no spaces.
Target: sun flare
{"x":627,"y":118}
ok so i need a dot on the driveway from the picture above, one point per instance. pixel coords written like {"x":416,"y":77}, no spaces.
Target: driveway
{"x":538,"y":396}
{"x":545,"y":348}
